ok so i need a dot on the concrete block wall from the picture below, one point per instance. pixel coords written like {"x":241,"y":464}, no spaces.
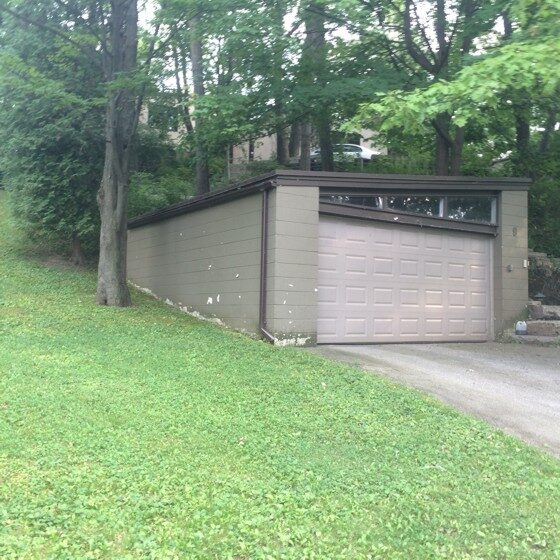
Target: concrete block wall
{"x":511,"y":283}
{"x":292,"y":264}
{"x":206,"y":261}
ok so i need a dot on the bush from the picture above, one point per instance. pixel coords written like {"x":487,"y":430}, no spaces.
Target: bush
{"x":149,"y":192}
{"x":544,"y":278}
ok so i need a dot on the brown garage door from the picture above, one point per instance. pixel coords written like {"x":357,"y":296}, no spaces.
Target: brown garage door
{"x":392,"y":283}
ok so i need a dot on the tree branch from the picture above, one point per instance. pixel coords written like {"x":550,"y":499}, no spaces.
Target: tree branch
{"x":90,"y":53}
{"x":441,"y":132}
{"x":423,"y":32}
{"x":417,"y":55}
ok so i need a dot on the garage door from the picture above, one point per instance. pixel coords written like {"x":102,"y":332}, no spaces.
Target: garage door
{"x":385,"y":282}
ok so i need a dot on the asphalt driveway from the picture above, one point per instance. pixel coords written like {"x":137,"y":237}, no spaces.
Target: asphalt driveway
{"x":514,"y":387}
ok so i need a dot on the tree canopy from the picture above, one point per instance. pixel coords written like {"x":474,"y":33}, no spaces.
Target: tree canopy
{"x":447,"y":86}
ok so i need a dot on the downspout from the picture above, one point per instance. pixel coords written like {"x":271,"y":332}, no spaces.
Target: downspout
{"x":263,"y":274}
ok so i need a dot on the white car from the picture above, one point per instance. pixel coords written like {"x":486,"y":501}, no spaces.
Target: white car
{"x":347,"y":152}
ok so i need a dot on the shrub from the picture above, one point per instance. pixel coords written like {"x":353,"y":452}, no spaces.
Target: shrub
{"x":544,"y":278}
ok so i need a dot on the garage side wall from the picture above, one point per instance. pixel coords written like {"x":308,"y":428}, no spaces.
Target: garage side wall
{"x":206,"y":261}
{"x":292,"y":264}
{"x":511,"y":284}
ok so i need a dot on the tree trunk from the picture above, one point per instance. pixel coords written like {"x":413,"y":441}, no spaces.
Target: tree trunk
{"x":277,"y":11}
{"x":442,"y":156}
{"x":522,"y":133}
{"x":281,"y":146}
{"x":316,"y":65}
{"x":251,"y":148}
{"x":457,"y":151}
{"x":120,"y":126}
{"x":305,"y":156}
{"x":202,"y":171}
{"x":548,"y":130}
{"x":180,"y":66}
{"x":442,"y":145}
{"x":77,"y":257}
{"x":113,"y":199}
{"x":294,"y":147}
{"x":325,"y":142}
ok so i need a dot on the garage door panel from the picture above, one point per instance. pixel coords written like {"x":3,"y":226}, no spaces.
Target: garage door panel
{"x":393,"y":283}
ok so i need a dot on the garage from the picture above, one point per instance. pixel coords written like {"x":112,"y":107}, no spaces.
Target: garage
{"x":386,"y":282}
{"x":300,"y":258}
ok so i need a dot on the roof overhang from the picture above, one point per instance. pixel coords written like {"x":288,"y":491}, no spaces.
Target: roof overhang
{"x":335,"y":181}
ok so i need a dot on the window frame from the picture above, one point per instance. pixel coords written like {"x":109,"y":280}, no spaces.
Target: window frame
{"x":443,"y":203}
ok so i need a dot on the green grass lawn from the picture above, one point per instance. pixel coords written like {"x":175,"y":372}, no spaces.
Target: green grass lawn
{"x":143,"y":433}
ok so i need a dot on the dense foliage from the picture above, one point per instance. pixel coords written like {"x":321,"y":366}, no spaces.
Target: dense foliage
{"x":449,"y":86}
{"x":51,"y":131}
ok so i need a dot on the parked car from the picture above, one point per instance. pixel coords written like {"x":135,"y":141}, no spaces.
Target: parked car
{"x":346,"y":153}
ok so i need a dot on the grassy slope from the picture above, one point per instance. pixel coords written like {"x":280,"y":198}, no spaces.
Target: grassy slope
{"x":141,"y":433}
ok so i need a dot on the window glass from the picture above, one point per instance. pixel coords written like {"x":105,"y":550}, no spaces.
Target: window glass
{"x":428,"y":205}
{"x":365,"y":201}
{"x":470,"y":208}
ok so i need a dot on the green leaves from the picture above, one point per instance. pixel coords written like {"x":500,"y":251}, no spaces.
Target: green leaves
{"x":523,"y":64}
{"x":51,"y":130}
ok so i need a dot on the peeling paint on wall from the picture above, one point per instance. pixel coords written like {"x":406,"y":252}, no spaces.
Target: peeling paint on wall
{"x":184,"y":309}
{"x":297,"y":341}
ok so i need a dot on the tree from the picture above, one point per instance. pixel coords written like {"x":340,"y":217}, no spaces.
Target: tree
{"x":110,"y":41}
{"x":121,"y":120}
{"x":202,"y":173}
{"x":433,"y":41}
{"x":51,"y":130}
{"x":314,"y":65}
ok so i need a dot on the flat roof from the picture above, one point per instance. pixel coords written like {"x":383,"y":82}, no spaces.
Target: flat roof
{"x":330,"y":181}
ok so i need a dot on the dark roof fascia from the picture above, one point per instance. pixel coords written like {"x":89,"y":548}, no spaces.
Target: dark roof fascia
{"x":205,"y":200}
{"x":407,"y":219}
{"x":399,"y":182}
{"x":336,"y":180}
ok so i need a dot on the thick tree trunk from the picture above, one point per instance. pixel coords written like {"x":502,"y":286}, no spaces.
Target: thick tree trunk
{"x":113,"y":199}
{"x":77,"y":257}
{"x":120,"y":126}
{"x":443,"y":145}
{"x":202,"y":171}
{"x":442,"y":156}
{"x":305,"y":156}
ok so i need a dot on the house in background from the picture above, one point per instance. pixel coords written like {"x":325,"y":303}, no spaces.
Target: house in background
{"x":264,"y":148}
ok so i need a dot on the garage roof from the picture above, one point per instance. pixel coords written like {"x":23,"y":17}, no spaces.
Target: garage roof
{"x":335,"y":180}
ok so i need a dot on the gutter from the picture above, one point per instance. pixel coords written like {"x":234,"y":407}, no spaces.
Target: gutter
{"x":264,"y":272}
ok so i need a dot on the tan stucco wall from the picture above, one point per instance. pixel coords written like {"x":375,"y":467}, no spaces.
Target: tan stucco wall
{"x":511,"y":284}
{"x":265,"y":149}
{"x":206,"y":261}
{"x":292,"y":264}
